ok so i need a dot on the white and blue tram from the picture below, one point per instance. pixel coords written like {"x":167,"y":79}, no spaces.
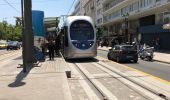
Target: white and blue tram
{"x":78,"y":38}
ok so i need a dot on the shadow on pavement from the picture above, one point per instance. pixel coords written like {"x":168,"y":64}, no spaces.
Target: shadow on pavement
{"x":19,"y":78}
{"x":163,"y":51}
{"x":83,"y":60}
{"x":18,"y":58}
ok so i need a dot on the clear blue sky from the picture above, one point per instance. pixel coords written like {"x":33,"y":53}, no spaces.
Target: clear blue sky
{"x":50,"y":7}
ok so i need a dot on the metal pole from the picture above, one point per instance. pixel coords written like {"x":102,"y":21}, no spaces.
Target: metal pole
{"x":28,"y":34}
{"x":23,"y":42}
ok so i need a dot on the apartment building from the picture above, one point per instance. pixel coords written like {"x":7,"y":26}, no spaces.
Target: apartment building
{"x":99,"y":12}
{"x":137,"y":20}
{"x":90,"y":9}
{"x":79,"y":7}
{"x":77,"y":11}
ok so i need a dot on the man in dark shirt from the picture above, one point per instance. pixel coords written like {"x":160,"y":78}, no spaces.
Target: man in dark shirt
{"x":51,"y":48}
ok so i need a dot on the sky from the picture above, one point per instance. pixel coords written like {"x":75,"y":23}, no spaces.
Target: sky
{"x":51,"y":8}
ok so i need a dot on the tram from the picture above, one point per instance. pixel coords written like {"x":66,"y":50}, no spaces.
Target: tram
{"x":78,"y":38}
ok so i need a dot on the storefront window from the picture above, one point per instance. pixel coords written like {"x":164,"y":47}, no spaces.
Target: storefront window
{"x":167,"y":17}
{"x":159,"y":18}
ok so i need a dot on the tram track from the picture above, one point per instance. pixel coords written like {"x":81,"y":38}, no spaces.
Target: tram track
{"x":88,"y":80}
{"x":134,"y":81}
{"x":5,"y":52}
{"x":5,"y":56}
{"x":138,"y":88}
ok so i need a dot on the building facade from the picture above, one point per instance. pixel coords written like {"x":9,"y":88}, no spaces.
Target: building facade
{"x":137,"y":20}
{"x":79,"y":7}
{"x":77,"y":11}
{"x":90,"y":9}
{"x":99,"y":12}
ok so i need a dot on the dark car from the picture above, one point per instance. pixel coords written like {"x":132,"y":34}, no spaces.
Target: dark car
{"x":123,"y":53}
{"x":13,"y":45}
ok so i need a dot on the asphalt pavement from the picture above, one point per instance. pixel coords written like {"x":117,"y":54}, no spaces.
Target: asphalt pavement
{"x":154,"y":68}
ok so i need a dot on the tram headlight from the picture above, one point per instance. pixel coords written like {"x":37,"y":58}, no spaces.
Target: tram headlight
{"x":90,"y":43}
{"x":75,"y":44}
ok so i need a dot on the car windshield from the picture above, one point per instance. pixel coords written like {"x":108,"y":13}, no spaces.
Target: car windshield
{"x":12,"y":43}
{"x":127,"y":48}
{"x":81,"y":30}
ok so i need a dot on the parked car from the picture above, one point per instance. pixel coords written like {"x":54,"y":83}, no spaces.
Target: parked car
{"x":3,"y":44}
{"x":123,"y":53}
{"x":13,"y":45}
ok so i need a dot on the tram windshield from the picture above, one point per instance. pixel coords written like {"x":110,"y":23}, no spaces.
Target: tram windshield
{"x":81,"y":30}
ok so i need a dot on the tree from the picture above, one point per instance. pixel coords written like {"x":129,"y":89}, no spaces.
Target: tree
{"x":10,"y":32}
{"x":100,"y":31}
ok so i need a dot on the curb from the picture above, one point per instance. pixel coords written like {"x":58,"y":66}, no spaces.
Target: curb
{"x":162,"y":61}
{"x":102,"y":49}
{"x":153,"y":59}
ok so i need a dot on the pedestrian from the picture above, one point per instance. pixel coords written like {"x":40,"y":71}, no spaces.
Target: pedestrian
{"x":153,"y":43}
{"x":157,"y":43}
{"x":107,"y":43}
{"x":51,"y":48}
{"x":113,"y":42}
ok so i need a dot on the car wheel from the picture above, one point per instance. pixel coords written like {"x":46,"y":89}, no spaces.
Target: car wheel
{"x":108,"y":56}
{"x":149,"y":58}
{"x":118,"y":59}
{"x":135,"y":61}
{"x":141,"y":57}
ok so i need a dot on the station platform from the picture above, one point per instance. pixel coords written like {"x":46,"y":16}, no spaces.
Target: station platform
{"x":47,"y":81}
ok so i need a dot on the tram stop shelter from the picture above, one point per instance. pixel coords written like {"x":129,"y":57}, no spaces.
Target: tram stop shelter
{"x":51,"y":26}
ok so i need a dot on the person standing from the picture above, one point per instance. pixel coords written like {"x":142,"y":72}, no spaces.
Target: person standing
{"x":157,"y":43}
{"x":51,"y":48}
{"x":113,"y":42}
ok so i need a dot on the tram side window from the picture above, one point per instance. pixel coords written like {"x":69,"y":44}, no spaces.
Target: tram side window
{"x":65,"y":36}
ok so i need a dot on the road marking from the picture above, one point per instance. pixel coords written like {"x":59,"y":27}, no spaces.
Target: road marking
{"x":157,"y":78}
{"x":141,"y":91}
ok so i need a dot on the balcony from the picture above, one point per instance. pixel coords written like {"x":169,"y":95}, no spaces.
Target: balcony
{"x":111,"y":4}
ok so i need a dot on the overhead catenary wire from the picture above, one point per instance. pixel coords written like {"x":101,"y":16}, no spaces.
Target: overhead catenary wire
{"x":18,"y":3}
{"x":71,"y":7}
{"x":12,"y":6}
{"x":7,"y":4}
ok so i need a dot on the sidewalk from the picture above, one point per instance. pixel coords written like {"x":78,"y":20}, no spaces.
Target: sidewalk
{"x":48,"y":81}
{"x":160,"y":57}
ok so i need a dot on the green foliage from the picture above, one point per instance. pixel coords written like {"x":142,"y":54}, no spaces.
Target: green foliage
{"x":10,"y":32}
{"x":100,"y":31}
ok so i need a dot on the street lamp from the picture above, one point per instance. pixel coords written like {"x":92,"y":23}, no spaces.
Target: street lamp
{"x":127,"y":35}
